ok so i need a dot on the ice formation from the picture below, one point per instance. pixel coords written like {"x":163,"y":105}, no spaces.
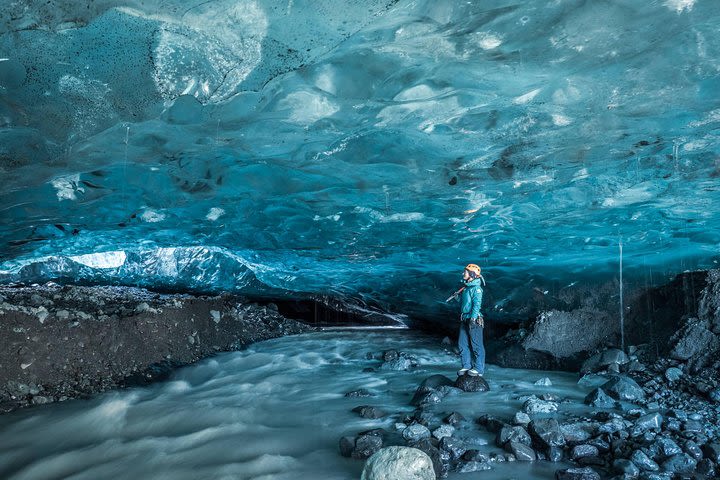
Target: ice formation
{"x":365,"y":148}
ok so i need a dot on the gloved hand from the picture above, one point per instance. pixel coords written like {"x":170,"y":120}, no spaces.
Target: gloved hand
{"x":479,"y":321}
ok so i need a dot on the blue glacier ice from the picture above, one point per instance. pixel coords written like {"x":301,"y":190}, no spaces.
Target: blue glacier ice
{"x":367,"y":149}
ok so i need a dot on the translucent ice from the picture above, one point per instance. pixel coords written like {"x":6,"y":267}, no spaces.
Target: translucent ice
{"x":362,"y":148}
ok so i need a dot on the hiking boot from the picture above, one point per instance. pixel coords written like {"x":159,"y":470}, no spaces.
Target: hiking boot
{"x":462,"y":371}
{"x":474,"y":373}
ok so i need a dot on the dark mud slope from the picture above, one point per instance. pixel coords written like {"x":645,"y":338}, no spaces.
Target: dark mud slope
{"x":59,"y":342}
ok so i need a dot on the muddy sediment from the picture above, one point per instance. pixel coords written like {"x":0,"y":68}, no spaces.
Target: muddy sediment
{"x":61,"y":342}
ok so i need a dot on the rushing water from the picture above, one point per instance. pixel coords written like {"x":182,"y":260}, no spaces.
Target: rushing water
{"x":273,"y":411}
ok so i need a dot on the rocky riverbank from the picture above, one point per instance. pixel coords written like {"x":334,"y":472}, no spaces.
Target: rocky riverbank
{"x":60,"y":342}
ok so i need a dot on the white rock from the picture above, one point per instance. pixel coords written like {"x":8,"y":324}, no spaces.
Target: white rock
{"x":398,"y":463}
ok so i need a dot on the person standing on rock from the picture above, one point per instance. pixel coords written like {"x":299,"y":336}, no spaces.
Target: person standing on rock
{"x":470,"y":337}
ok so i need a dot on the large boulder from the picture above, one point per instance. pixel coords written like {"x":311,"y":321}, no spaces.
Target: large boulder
{"x":564,"y":334}
{"x":399,"y":463}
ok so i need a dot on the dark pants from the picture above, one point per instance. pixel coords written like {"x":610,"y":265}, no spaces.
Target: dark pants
{"x":472,"y":350}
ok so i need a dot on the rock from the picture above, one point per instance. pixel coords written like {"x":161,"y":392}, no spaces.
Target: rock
{"x":468,"y":383}
{"x":416,"y":432}
{"x":644,"y":462}
{"x":362,"y":392}
{"x":624,"y":388}
{"x":584,"y":473}
{"x":546,"y":432}
{"x":651,"y":421}
{"x":565,"y":334}
{"x":692,"y":449}
{"x":347,"y":445}
{"x":427,"y":393}
{"x":712,"y":452}
{"x":399,"y":463}
{"x":664,"y":447}
{"x":443,"y":431}
{"x":366,"y":445}
{"x":673,"y":374}
{"x":602,"y":360}
{"x":522,"y":451}
{"x":454,"y":419}
{"x":680,"y":463}
{"x":578,"y":432}
{"x":390,"y":355}
{"x":512,"y":434}
{"x":599,"y":399}
{"x":534,"y":405}
{"x":366,"y":411}
{"x":440,"y":459}
{"x":706,"y":467}
{"x":455,"y":447}
{"x":579,"y":451}
{"x":401,"y":364}
{"x":626,"y":467}
{"x":695,"y":343}
{"x":544,"y":382}
{"x":470,"y":467}
{"x":521,"y":418}
{"x":714,"y":395}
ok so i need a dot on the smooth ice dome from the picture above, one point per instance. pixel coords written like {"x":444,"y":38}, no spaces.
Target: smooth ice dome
{"x":361,"y":148}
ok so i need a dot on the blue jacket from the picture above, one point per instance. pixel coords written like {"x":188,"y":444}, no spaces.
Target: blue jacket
{"x":471,"y":300}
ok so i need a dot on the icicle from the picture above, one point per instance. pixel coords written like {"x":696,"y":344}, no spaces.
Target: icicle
{"x":622,"y":313}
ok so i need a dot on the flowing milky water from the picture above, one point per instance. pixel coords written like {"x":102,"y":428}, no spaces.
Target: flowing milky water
{"x":273,"y":411}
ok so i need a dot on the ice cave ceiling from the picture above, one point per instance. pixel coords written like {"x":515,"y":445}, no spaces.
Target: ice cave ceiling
{"x":367,"y":148}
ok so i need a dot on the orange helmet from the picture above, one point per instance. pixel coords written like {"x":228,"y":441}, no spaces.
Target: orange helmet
{"x":473,"y":269}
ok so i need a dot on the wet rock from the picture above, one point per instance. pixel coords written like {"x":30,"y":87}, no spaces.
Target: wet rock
{"x":366,"y":445}
{"x":624,"y":388}
{"x":579,"y":451}
{"x":603,"y":360}
{"x":521,"y":418}
{"x":428,"y":392}
{"x":714,"y":395}
{"x":712,"y":452}
{"x":544,"y":382}
{"x":455,"y":447}
{"x":626,"y":467}
{"x":491,"y":423}
{"x":546,"y":432}
{"x":443,"y":431}
{"x":651,"y":421}
{"x":401,"y":364}
{"x":707,"y":467}
{"x":399,"y":463}
{"x":454,"y":419}
{"x":347,"y":445}
{"x":360,"y":393}
{"x":578,"y":432}
{"x":469,"y":467}
{"x":680,"y":463}
{"x":522,"y":451}
{"x":468,"y":383}
{"x":644,"y":462}
{"x":366,"y":411}
{"x":416,"y":432}
{"x":534,"y":405}
{"x":673,"y":374}
{"x":390,"y":355}
{"x":577,"y":473}
{"x":663,"y":447}
{"x":692,"y":449}
{"x":440,"y":460}
{"x":599,"y":399}
{"x":512,"y":434}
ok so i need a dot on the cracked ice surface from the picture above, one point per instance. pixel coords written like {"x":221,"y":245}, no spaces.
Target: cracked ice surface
{"x":362,"y":148}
